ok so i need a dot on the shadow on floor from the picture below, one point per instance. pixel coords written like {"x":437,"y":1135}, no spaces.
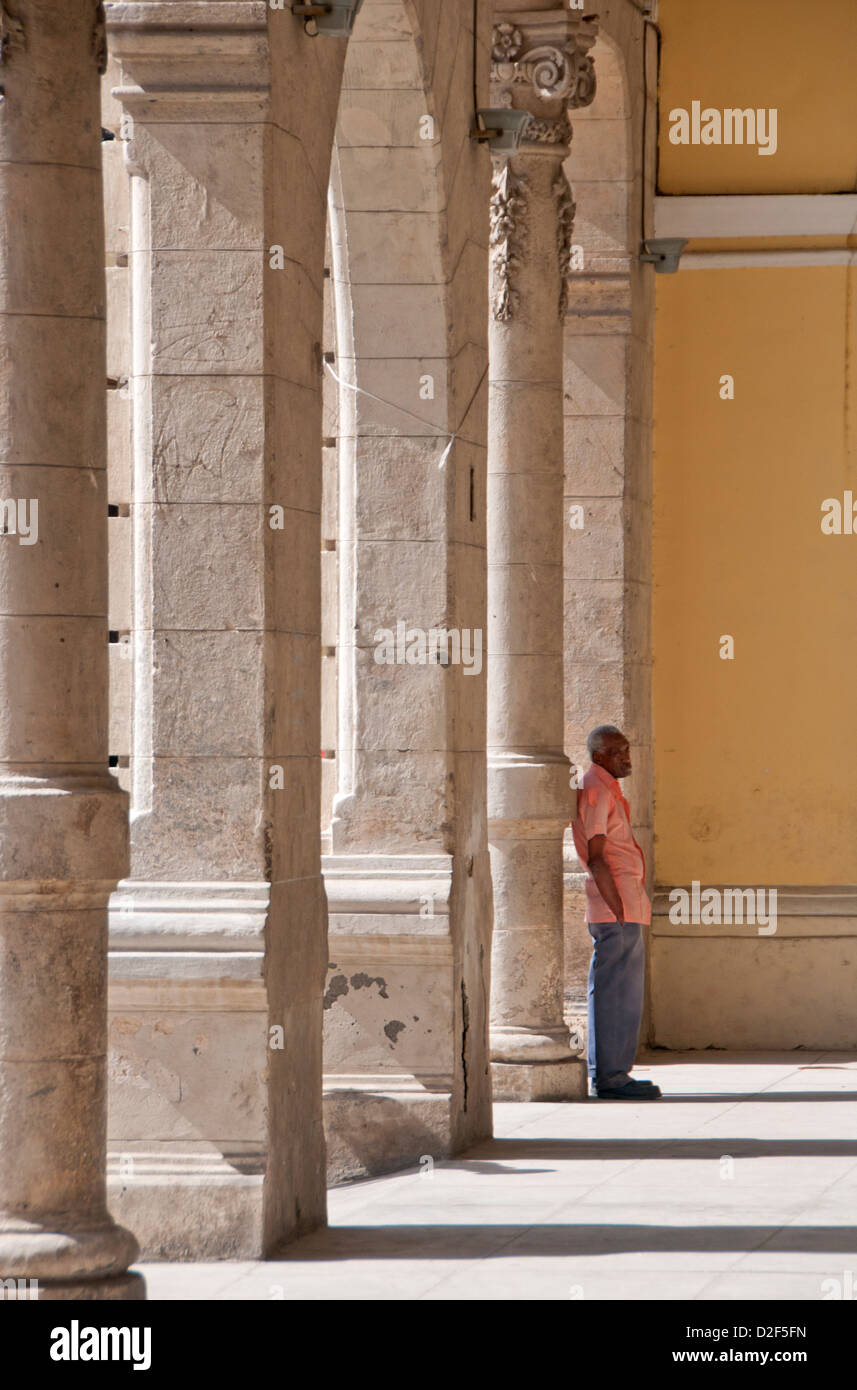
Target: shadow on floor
{"x":721,"y":1097}
{"x":528,"y":1242}
{"x":624,"y":1149}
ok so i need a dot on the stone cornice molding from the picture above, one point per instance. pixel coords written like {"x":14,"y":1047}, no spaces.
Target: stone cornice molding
{"x":177,"y":56}
{"x":194,"y":945}
{"x":541,"y":63}
{"x":189,"y":916}
{"x":376,"y":884}
{"x":817,"y":900}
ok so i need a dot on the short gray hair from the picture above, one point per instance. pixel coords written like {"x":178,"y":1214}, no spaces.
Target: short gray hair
{"x":598,"y":736}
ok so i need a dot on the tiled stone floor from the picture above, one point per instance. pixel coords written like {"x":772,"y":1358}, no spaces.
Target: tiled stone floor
{"x":740,"y":1184}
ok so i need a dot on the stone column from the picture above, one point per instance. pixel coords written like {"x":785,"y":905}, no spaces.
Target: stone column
{"x":218,"y":934}
{"x":63,"y":819}
{"x":608,"y":412}
{"x":539,"y":63}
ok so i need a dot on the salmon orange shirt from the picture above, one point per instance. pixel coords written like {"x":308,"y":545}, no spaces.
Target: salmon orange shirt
{"x":603,"y":810}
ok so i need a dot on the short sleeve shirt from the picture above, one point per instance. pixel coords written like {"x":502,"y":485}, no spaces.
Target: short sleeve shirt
{"x":603,"y":810}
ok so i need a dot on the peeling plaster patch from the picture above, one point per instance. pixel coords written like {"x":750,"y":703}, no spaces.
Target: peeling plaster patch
{"x":337,"y":987}
{"x":393,"y":1029}
{"x":363,"y":981}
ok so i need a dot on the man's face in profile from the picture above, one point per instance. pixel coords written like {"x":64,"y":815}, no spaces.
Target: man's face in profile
{"x":615,"y":757}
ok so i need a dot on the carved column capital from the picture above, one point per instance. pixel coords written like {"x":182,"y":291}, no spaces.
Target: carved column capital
{"x":541,"y":63}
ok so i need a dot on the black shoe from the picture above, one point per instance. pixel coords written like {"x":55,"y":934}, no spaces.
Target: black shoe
{"x":633,"y":1081}
{"x":632,"y":1090}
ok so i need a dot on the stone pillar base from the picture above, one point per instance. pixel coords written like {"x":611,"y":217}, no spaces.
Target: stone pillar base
{"x":556,"y":1081}
{"x":188,"y":1051}
{"x":374,"y":1131}
{"x":190,"y":1206}
{"x":405,"y":1076}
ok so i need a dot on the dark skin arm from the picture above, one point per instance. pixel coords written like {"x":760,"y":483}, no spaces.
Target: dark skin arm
{"x":600,"y":871}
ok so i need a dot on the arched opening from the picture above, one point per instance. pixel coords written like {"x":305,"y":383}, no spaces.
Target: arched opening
{"x":407,"y":874}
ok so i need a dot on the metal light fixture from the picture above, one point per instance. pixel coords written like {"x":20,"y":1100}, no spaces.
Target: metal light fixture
{"x":502,"y":129}
{"x":334,"y":18}
{"x":664,"y":253}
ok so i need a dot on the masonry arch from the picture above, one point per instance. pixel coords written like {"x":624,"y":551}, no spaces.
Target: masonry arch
{"x":407,"y":875}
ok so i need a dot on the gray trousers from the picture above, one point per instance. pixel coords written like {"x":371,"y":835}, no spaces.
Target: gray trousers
{"x":615,"y":997}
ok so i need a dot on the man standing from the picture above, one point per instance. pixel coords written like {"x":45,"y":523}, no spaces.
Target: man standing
{"x":617,"y":909}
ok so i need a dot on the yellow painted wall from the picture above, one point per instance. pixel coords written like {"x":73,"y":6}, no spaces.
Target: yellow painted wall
{"x":756,"y":758}
{"x":796,"y":55}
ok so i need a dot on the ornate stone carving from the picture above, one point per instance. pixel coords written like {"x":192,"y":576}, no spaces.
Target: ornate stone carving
{"x":553,"y":73}
{"x":549,"y":132}
{"x":565,"y":210}
{"x":507,"y":237}
{"x":12,"y":33}
{"x":548,"y":51}
{"x":507,"y":44}
{"x":99,"y":38}
{"x":541,"y":63}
